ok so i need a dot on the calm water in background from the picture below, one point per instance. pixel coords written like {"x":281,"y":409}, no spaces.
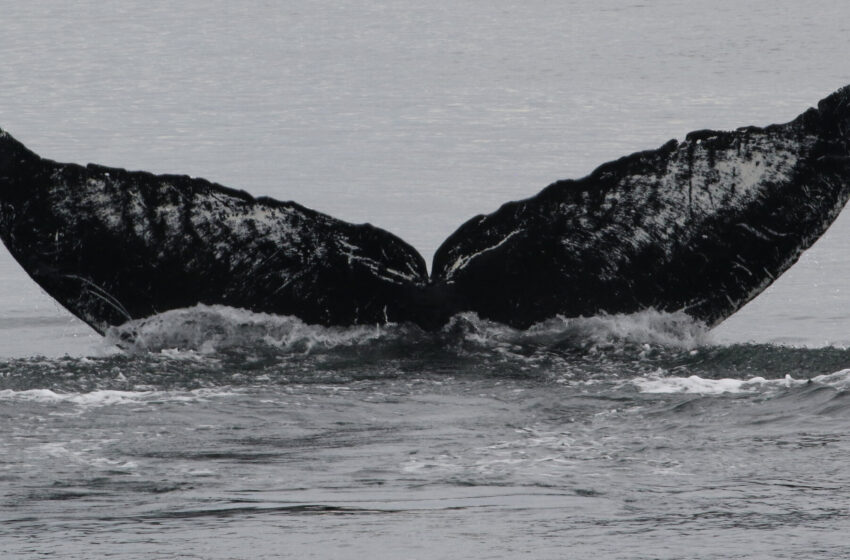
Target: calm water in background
{"x":229,"y":435}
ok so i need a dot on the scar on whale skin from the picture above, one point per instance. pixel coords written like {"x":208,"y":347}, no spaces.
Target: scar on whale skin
{"x":700,"y":226}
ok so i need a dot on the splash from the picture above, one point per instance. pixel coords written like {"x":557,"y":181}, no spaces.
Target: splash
{"x":214,"y":346}
{"x":209,"y":329}
{"x":649,"y":327}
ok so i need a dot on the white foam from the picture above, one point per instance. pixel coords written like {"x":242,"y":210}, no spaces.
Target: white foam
{"x":198,"y":331}
{"x":109,"y":397}
{"x":838,"y":380}
{"x":101,"y":397}
{"x":649,"y":327}
{"x":210,"y":328}
{"x":697,"y":385}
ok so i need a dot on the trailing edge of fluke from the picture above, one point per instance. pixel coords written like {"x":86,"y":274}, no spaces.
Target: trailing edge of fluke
{"x":700,"y":226}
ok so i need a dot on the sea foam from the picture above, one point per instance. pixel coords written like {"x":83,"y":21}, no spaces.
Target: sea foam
{"x":839,"y":380}
{"x":209,"y":329}
{"x":105,"y":397}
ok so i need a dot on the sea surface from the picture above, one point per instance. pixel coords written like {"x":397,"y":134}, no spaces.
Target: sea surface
{"x":217,"y":433}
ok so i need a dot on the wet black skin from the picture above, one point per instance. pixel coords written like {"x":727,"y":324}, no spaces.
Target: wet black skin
{"x":528,"y":261}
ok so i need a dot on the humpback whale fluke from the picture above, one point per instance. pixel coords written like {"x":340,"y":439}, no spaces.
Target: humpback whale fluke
{"x":701,"y":225}
{"x":113,"y":245}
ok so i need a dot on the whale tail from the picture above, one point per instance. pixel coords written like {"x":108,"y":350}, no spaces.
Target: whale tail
{"x":701,"y":226}
{"x":112,"y":245}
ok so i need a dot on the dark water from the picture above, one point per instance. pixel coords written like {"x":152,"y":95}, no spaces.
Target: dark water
{"x":222,"y":434}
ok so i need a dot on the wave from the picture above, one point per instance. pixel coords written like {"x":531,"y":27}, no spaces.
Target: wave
{"x":209,"y":329}
{"x":217,"y":346}
{"x":106,"y":397}
{"x":578,"y":347}
{"x":660,"y":383}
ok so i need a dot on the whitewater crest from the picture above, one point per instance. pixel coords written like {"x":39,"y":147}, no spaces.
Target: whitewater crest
{"x":695,"y":384}
{"x":109,"y":397}
{"x":213,"y":328}
{"x":207,"y":329}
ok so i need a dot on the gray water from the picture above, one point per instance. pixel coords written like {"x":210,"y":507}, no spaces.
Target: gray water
{"x":223,"y":434}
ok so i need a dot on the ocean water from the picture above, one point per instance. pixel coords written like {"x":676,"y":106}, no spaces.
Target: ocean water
{"x":224,"y":434}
